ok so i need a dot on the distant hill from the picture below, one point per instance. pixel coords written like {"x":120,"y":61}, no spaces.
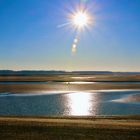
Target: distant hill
{"x":29,"y":72}
{"x":42,"y":72}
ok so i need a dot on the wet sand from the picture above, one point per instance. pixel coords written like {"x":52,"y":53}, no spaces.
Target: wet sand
{"x":62,"y":83}
{"x":70,"y":128}
{"x":37,"y":88}
{"x":130,"y":99}
{"x":72,"y":77}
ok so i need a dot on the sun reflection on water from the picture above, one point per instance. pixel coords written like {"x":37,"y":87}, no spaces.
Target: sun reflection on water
{"x":81,"y":103}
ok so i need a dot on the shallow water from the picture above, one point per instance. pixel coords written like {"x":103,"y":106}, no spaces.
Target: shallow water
{"x":72,"y":103}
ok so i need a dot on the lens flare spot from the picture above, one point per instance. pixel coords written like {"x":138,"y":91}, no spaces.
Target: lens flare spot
{"x":75,"y":40}
{"x":74,"y":46}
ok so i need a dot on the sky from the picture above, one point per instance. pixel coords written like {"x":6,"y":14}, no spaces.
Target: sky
{"x":31,"y":37}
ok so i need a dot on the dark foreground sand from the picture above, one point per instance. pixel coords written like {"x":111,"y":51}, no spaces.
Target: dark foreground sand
{"x":72,"y":128}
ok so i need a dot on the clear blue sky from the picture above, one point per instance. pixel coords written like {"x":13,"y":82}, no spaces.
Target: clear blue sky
{"x":30,"y":37}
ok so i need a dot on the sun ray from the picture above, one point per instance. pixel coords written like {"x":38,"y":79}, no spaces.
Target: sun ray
{"x":63,"y":25}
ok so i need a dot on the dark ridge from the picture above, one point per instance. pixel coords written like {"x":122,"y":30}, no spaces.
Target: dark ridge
{"x":55,"y":72}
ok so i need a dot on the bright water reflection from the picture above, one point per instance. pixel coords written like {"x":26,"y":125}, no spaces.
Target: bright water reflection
{"x":81,"y":103}
{"x":115,"y":102}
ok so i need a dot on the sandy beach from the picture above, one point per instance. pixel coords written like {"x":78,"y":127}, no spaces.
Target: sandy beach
{"x":70,"y":128}
{"x":69,"y":69}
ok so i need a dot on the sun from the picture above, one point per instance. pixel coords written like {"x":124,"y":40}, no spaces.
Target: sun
{"x":80,"y":19}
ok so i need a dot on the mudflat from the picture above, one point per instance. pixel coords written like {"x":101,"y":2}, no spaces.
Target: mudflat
{"x":72,"y":77}
{"x":64,"y":82}
{"x":23,"y":88}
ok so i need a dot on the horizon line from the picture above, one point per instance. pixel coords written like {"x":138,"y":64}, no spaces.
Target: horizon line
{"x":69,"y":70}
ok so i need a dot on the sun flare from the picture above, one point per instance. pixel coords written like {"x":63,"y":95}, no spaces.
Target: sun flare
{"x":80,"y":19}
